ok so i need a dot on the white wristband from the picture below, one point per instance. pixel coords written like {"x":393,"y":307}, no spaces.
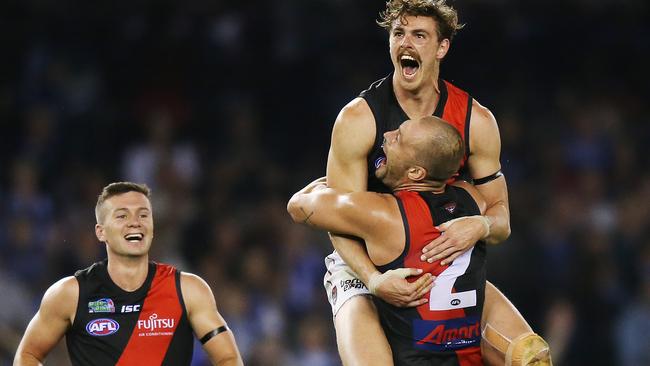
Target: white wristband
{"x":377,"y":278}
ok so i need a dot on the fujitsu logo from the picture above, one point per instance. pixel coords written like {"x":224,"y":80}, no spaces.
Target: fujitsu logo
{"x":153,"y":323}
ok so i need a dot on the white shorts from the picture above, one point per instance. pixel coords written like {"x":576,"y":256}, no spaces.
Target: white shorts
{"x":341,"y":283}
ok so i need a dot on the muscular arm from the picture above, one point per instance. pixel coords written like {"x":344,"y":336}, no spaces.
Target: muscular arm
{"x":204,"y":317}
{"x":352,"y":138}
{"x":50,"y":323}
{"x":484,"y":160}
{"x":494,"y":226}
{"x":366,"y":215}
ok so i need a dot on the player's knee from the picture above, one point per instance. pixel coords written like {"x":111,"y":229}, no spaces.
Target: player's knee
{"x":528,"y":350}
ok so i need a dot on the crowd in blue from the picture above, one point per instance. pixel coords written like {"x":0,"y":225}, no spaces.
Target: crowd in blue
{"x":225,"y":108}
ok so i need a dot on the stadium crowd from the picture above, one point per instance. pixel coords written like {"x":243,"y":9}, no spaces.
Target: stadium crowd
{"x":225,"y":108}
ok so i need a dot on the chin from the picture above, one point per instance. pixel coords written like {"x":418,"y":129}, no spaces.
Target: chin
{"x":410,"y":84}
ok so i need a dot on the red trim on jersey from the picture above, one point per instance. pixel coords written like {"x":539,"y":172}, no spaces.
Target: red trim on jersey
{"x":455,"y":112}
{"x":161,"y":312}
{"x":421,"y":232}
{"x":470,"y":356}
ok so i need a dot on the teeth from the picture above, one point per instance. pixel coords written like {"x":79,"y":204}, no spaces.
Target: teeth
{"x":407,"y":57}
{"x":134,"y":237}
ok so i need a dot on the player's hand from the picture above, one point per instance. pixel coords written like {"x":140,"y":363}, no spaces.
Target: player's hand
{"x":393,"y":287}
{"x":456,"y":237}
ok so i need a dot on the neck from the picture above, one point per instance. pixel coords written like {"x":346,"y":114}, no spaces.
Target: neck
{"x":129,"y":273}
{"x":419,"y":102}
{"x":423,"y":186}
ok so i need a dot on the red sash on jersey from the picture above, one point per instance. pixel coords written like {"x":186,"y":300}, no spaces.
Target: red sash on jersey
{"x":421,"y":232}
{"x":161,"y":312}
{"x":457,"y":113}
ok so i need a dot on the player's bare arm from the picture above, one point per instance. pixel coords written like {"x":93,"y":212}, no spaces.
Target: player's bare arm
{"x":352,"y":138}
{"x":484,"y":162}
{"x":484,"y":165}
{"x":48,"y":326}
{"x":373,"y":217}
{"x":208,"y":325}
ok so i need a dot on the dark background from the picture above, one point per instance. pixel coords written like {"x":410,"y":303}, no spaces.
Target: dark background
{"x":225,"y":109}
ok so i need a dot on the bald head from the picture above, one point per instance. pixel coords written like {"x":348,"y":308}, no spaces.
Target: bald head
{"x":440,"y":148}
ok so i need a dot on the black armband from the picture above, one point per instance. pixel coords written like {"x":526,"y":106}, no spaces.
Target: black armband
{"x":487,"y":179}
{"x":213,"y":333}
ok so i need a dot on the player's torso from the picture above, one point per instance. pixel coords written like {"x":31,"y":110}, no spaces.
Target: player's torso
{"x":454,"y":106}
{"x":148,"y":326}
{"x":447,"y":328}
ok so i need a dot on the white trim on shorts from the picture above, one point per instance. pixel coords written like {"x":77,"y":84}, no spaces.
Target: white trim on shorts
{"x":341,"y":283}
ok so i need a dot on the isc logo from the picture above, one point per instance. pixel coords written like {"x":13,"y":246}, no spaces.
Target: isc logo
{"x":102,"y":327}
{"x":130,"y":308}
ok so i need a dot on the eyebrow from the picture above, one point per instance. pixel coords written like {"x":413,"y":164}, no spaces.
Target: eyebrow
{"x":126,"y":209}
{"x":416,"y":30}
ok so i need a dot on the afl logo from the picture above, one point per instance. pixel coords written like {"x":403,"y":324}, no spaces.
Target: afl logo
{"x":455,"y":302}
{"x":102,"y":327}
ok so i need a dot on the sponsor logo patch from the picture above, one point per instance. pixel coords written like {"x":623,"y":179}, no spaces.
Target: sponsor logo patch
{"x":102,"y":327}
{"x":101,"y":306}
{"x":350,"y":284}
{"x":130,"y":308}
{"x":447,"y":335}
{"x":153,"y":326}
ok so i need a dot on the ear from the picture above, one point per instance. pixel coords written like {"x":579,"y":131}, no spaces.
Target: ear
{"x":443,"y":48}
{"x":99,"y":232}
{"x":417,"y":173}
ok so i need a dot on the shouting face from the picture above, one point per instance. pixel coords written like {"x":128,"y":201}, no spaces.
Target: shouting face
{"x":416,"y":51}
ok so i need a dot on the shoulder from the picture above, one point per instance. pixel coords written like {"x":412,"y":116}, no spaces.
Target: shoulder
{"x":193,"y":283}
{"x":484,"y":142}
{"x":355,"y":115}
{"x":62,"y":297}
{"x":65,"y":288}
{"x":482,"y":117}
{"x":371,"y":207}
{"x":196,"y":292}
{"x":354,"y":129}
{"x":374,"y":215}
{"x":367,"y":200}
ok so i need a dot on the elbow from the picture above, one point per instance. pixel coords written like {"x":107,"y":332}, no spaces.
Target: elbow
{"x":230,"y":360}
{"x":505,"y":235}
{"x":499,"y":236}
{"x":293,"y":208}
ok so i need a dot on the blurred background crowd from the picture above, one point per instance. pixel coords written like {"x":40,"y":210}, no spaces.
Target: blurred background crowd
{"x":225,"y":109}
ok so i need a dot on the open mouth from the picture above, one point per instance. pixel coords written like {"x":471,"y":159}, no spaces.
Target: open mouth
{"x":134,"y":238}
{"x":410,"y":66}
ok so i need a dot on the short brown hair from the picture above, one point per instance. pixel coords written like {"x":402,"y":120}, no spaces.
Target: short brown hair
{"x":442,"y":150}
{"x":117,"y":188}
{"x":445,"y":16}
